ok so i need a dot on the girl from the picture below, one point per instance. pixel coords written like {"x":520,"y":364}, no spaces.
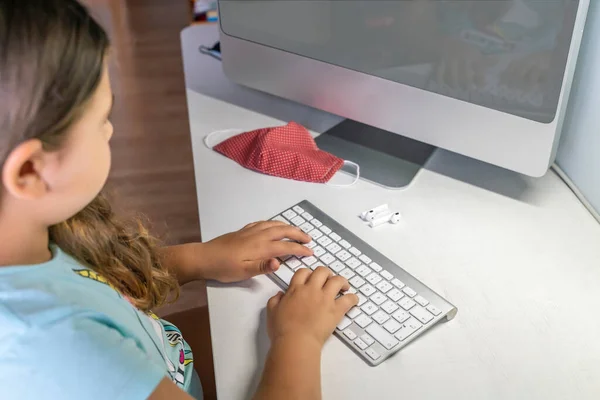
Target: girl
{"x":77,"y":285}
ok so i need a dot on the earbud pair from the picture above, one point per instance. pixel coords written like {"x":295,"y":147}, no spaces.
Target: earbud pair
{"x":380,"y":215}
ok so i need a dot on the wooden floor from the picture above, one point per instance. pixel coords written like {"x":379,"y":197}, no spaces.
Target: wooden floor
{"x":152,"y":169}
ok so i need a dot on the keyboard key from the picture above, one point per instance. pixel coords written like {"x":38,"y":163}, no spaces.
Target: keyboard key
{"x":289,"y":214}
{"x":389,"y":307}
{"x":380,"y":317}
{"x":382,"y":336}
{"x":384,"y":286}
{"x":343,"y":255}
{"x":360,"y":344}
{"x":395,"y":294}
{"x":334,"y":236}
{"x":298,"y":220}
{"x":352,"y":290}
{"x":337,"y":266}
{"x":349,"y":334}
{"x":421,"y":300}
{"x":407,"y":303}
{"x":355,"y":251}
{"x":280,"y":219}
{"x":363,"y":270}
{"x":367,"y":290}
{"x":307,"y":227}
{"x":310,"y":260}
{"x":316,"y":223}
{"x":285,"y":274}
{"x":345,"y":244}
{"x":347,"y":273}
{"x":315,"y":234}
{"x":378,"y":298}
{"x":361,"y":299}
{"x":298,"y":209}
{"x":293,"y":263}
{"x":408,"y":328}
{"x":392,"y":326}
{"x":354,"y":312}
{"x":372,"y":354}
{"x":327,"y":258}
{"x":398,"y":283}
{"x":401,"y":316}
{"x":307,"y":216}
{"x":409,"y":292}
{"x":324,"y":241}
{"x":333,"y":248}
{"x":325,"y":229}
{"x":344,"y":323}
{"x":285,"y":258}
{"x":376,"y":267}
{"x":421,"y":314}
{"x":369,"y":308}
{"x":357,"y":281}
{"x":311,"y":244}
{"x":318,"y":251}
{"x":386,"y":275}
{"x":367,"y":339}
{"x":363,"y":321}
{"x":373,"y":279}
{"x":433,"y":309}
{"x":365,"y":259}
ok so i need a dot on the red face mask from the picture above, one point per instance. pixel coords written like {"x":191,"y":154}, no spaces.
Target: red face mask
{"x":285,"y":151}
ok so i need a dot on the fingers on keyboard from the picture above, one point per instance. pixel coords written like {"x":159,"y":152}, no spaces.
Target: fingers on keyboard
{"x":375,"y":300}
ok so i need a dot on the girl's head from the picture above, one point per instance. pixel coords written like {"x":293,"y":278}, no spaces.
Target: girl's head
{"x":55,"y":101}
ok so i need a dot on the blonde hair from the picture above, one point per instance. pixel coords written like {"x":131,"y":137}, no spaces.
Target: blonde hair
{"x":120,"y":250}
{"x":51,"y":63}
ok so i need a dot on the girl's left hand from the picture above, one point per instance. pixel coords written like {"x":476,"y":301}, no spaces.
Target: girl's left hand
{"x":251,"y":251}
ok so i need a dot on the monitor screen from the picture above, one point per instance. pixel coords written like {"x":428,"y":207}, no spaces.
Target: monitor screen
{"x":508,"y":55}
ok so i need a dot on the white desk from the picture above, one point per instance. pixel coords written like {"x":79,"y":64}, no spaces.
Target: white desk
{"x":519,"y":257}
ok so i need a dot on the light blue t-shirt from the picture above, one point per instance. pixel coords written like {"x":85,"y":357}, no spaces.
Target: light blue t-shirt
{"x":65,"y":333}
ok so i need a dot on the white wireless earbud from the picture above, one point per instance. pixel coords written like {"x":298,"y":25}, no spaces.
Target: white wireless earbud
{"x":370,"y":215}
{"x":382,"y":219}
{"x":393,"y":218}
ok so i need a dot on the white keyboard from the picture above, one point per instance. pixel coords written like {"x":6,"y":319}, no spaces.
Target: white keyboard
{"x":394,"y":307}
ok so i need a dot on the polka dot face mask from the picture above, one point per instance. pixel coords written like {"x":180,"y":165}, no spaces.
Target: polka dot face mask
{"x":286,"y":151}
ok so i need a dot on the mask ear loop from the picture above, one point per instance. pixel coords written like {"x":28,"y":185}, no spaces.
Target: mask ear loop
{"x":207,"y":137}
{"x":357,"y":167}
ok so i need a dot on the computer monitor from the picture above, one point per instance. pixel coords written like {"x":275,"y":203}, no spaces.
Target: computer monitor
{"x":489,"y":79}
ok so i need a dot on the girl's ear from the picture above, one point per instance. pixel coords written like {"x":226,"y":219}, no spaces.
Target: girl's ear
{"x":22,"y":171}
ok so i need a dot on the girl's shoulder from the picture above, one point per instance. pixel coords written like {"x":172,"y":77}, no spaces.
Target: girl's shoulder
{"x":40,"y":295}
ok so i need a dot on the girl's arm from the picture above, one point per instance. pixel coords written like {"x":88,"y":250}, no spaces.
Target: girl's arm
{"x":299,"y":323}
{"x":181,"y":261}
{"x":236,"y":256}
{"x":292,"y":371}
{"x":167,"y":390}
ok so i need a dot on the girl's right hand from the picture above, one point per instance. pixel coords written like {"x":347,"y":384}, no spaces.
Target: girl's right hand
{"x":309,"y":311}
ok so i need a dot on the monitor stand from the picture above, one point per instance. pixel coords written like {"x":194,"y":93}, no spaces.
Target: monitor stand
{"x":385,"y":158}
